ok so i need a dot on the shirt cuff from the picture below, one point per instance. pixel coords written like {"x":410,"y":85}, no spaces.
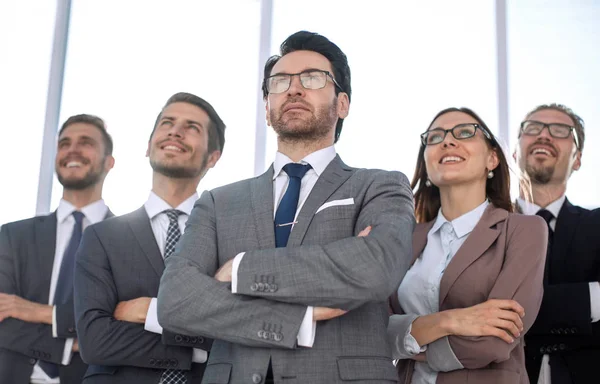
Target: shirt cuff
{"x":68,"y":351}
{"x":308,"y":330}
{"x":54,"y":328}
{"x":151,"y":324}
{"x":410,"y":343}
{"x":595,"y":301}
{"x":234,"y":271}
{"x":199,"y":356}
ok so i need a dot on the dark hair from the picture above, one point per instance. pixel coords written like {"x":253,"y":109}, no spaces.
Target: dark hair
{"x":427,"y":199}
{"x":216,"y":128}
{"x":96,"y":122}
{"x":310,"y":41}
{"x":578,"y":121}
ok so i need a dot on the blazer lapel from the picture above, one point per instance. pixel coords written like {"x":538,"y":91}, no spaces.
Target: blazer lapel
{"x":45,"y":239}
{"x":142,"y":230}
{"x":566,"y":224}
{"x":261,"y":191}
{"x":332,"y":178}
{"x":479,"y":240}
{"x":109,"y":214}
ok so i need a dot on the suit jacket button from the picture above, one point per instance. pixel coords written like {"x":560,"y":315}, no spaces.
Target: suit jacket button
{"x":562,"y":346}
{"x":194,"y":340}
{"x":178,"y":338}
{"x":254,"y":287}
{"x":256,"y":378}
{"x":200,"y":340}
{"x":573,"y":330}
{"x":278,"y":336}
{"x":152,"y":362}
{"x":552,"y":331}
{"x":71,"y":330}
{"x":32,"y":361}
{"x":542,"y":350}
{"x":554,"y":348}
{"x":261,"y":333}
{"x":266,"y":335}
{"x":186,"y":339}
{"x":273,"y":287}
{"x":267,"y":287}
{"x":261,"y":287}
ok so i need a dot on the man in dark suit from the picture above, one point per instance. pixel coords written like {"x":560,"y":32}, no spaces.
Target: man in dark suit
{"x":563,"y":346}
{"x":261,"y":257}
{"x":121,"y":260}
{"x":37,"y":327}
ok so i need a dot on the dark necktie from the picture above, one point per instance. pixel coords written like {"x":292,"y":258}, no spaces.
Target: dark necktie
{"x":286,"y":212}
{"x":64,"y":284}
{"x":548,"y":216}
{"x":172,"y":376}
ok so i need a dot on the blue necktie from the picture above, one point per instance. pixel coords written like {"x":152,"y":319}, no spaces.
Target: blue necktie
{"x":64,"y":285}
{"x":286,"y":212}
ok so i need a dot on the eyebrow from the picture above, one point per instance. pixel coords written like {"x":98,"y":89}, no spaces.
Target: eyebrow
{"x":188,"y":121}
{"x":304,"y":70}
{"x":83,"y":137}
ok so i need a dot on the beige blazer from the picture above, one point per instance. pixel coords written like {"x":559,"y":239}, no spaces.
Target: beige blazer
{"x":503,"y":258}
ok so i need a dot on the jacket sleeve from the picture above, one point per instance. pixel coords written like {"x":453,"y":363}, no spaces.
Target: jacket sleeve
{"x":30,"y":339}
{"x":104,"y":340}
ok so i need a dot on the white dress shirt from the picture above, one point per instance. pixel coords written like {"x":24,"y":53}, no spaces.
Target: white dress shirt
{"x":159,"y":222}
{"x":529,"y":208}
{"x":419,"y":292}
{"x":93,"y":213}
{"x":318,"y":160}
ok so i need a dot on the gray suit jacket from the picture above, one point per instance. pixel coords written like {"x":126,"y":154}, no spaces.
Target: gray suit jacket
{"x":324,"y":264}
{"x":119,"y":260}
{"x":27,"y":249}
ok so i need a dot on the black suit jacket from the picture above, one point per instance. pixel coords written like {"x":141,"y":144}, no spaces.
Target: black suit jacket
{"x":563,"y":328}
{"x":119,"y":260}
{"x":27,"y":249}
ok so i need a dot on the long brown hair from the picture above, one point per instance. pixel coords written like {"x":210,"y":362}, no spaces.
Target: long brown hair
{"x":427,"y":199}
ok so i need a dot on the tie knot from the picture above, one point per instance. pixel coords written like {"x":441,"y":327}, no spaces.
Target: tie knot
{"x":546,"y":215}
{"x":173,"y":214}
{"x":296,"y":170}
{"x":78,"y":216}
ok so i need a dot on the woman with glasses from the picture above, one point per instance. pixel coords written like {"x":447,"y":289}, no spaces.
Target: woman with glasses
{"x":475,"y":284}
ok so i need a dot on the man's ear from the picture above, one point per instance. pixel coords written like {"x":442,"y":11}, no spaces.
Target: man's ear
{"x":268,"y":118}
{"x":343,"y":105}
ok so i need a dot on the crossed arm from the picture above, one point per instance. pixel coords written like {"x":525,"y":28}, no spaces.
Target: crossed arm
{"x":348,"y":272}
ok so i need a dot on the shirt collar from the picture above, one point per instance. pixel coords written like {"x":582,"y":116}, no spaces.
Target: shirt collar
{"x":155,"y":205}
{"x":318,"y":160}
{"x":94,"y":212}
{"x":529,"y":208}
{"x":464,"y":224}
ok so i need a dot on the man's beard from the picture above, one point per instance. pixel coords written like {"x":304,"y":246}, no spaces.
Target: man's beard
{"x":91,"y":178}
{"x":317,"y":127}
{"x":539,"y":175}
{"x":179,"y":171}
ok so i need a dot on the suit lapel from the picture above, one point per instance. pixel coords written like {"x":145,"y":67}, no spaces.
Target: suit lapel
{"x":109,"y":214}
{"x":566,"y":224}
{"x":479,"y":240}
{"x":420,"y":239}
{"x":332,"y":178}
{"x":142,"y":230}
{"x":45,"y":240}
{"x":261,"y":190}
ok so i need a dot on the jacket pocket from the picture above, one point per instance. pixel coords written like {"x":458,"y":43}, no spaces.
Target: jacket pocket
{"x":100,"y":370}
{"x":367,"y":368}
{"x":217,"y":373}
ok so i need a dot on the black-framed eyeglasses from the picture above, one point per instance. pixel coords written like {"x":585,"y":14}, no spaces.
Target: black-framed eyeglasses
{"x":310,"y":79}
{"x":556,"y":130}
{"x":460,"y":132}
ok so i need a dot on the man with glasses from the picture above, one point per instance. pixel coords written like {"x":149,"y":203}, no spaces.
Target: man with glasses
{"x":563,"y":346}
{"x":297,"y":295}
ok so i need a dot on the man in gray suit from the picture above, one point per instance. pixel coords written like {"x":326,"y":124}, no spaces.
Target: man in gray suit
{"x":120,"y":261}
{"x":37,"y":327}
{"x":306,"y":304}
